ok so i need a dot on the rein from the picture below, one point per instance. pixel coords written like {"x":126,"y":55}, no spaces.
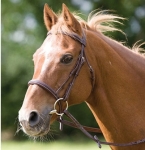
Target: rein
{"x":73,"y":75}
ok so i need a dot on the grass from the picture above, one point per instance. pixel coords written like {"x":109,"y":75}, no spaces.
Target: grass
{"x":56,"y":145}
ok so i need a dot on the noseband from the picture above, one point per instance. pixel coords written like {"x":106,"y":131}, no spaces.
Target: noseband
{"x":73,"y":75}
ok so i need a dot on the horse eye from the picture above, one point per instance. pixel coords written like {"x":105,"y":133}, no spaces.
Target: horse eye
{"x":66,"y":59}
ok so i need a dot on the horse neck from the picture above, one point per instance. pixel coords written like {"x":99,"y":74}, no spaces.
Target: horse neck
{"x":118,"y":99}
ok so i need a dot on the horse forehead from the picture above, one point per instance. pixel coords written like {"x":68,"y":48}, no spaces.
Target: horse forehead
{"x":59,"y":42}
{"x":56,"y":44}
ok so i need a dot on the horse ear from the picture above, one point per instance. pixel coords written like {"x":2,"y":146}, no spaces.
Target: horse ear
{"x":70,"y":20}
{"x":50,"y":18}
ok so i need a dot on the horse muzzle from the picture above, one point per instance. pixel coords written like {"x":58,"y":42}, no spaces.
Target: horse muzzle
{"x":33,"y":123}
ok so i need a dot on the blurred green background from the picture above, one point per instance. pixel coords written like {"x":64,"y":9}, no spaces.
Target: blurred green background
{"x":23,"y":31}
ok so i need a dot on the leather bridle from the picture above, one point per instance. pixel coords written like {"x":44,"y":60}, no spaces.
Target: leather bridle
{"x":72,"y":76}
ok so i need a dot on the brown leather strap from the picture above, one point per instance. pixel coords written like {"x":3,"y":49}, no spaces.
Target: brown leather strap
{"x":44,"y":86}
{"x":84,"y":129}
{"x":79,"y":126}
{"x":89,"y":129}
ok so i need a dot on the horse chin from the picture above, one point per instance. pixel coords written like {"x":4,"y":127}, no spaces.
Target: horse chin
{"x":36,"y":134}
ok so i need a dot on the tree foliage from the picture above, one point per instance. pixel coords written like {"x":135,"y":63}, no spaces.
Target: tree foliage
{"x":23,"y":31}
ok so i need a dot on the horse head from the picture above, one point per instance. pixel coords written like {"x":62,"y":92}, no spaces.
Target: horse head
{"x":54,"y":61}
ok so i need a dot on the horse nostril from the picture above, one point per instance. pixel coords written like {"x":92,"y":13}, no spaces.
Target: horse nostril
{"x":33,"y":119}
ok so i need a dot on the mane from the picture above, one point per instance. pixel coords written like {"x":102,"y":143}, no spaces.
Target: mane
{"x":101,"y":21}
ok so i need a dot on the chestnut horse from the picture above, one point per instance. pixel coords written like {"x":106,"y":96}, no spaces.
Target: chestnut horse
{"x":116,"y":95}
